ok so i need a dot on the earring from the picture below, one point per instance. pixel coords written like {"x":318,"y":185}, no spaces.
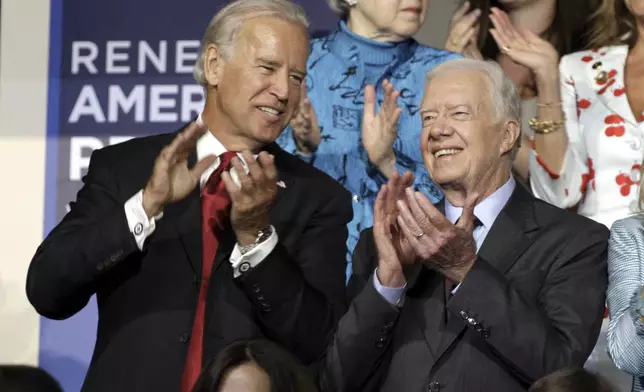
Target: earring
{"x":351,"y":3}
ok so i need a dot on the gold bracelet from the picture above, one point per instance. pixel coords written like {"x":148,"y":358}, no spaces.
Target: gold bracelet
{"x":549,"y":104}
{"x":546,"y":126}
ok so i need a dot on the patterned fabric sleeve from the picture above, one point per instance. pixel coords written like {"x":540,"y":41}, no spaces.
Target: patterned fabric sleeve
{"x":566,"y":188}
{"x":625,"y":329}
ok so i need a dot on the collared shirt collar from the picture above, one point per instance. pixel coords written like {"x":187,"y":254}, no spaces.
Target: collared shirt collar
{"x":207,"y":145}
{"x":488,"y":209}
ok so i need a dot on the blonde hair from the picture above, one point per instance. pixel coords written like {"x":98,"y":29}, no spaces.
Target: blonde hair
{"x":226,"y":24}
{"x":612,"y":24}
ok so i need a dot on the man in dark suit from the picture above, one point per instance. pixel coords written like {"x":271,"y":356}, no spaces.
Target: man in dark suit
{"x":186,"y":255}
{"x":488,"y":292}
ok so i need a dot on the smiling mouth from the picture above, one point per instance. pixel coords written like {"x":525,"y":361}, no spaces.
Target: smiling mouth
{"x":447,"y":152}
{"x":412,"y":9}
{"x":271,"y":112}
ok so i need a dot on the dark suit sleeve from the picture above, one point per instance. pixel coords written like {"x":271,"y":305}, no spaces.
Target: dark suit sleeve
{"x":359,"y":352}
{"x":557,"y":328}
{"x":91,"y":239}
{"x":299,"y":298}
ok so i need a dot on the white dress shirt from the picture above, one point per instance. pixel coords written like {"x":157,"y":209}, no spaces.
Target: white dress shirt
{"x":486,"y":211}
{"x":142,"y":227}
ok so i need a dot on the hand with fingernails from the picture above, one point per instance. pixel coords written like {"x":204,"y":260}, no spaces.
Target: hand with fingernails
{"x":523,"y":46}
{"x":305,"y":126}
{"x":379,"y":130}
{"x":463,"y":32}
{"x":252,"y":196}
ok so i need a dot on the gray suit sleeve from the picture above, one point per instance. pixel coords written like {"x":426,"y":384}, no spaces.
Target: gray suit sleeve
{"x":625,"y":258}
{"x":357,"y":355}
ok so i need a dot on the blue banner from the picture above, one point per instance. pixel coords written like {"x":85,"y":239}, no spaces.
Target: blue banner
{"x":118,"y":69}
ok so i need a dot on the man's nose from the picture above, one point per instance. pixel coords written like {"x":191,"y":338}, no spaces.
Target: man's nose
{"x":440,"y":128}
{"x":280,"y":87}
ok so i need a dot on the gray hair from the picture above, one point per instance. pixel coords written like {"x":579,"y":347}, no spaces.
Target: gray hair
{"x":226,"y":24}
{"x":340,"y":7}
{"x":504,"y":95}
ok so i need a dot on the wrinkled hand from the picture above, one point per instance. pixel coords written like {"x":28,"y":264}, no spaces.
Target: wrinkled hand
{"x":305,"y":126}
{"x":463,"y":31}
{"x":171,"y":178}
{"x":447,"y":248}
{"x":524,"y":47}
{"x":379,"y":131}
{"x":394,"y":250}
{"x":253,"y":197}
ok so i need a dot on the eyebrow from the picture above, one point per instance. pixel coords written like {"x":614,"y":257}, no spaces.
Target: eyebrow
{"x":277,"y":64}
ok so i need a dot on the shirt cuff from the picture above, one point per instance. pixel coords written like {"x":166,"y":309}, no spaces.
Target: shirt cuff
{"x":393,"y":295}
{"x":242,"y":263}
{"x":140,"y":226}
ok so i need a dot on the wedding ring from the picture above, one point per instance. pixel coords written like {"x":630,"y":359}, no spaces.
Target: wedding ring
{"x":419,"y":235}
{"x":505,"y":48}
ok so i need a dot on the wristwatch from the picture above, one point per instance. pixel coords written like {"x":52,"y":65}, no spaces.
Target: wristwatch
{"x":262,"y":236}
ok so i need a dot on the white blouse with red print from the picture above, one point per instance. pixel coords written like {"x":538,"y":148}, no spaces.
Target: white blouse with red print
{"x":601,"y":167}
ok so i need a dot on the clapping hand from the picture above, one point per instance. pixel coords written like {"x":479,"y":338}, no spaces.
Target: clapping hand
{"x":394,"y":250}
{"x":523,"y":46}
{"x":379,"y":131}
{"x":253,"y":197}
{"x":450,"y":249}
{"x":171,"y":178}
{"x":463,"y":31}
{"x":305,"y":126}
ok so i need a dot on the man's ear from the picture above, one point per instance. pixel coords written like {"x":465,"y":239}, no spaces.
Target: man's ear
{"x":511,"y":132}
{"x":213,"y":65}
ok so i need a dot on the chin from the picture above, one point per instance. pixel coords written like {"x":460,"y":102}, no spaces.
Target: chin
{"x":407,"y":30}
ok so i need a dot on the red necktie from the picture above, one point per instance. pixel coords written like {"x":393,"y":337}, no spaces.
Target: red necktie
{"x":215,"y":204}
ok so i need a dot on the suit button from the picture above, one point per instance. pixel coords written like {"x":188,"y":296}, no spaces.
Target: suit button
{"x":184,"y":337}
{"x":464,"y":315}
{"x":486,"y":333}
{"x":244,"y":267}
{"x":100,"y":266}
{"x":266,"y":307}
{"x":138,"y":229}
{"x":434,"y":386}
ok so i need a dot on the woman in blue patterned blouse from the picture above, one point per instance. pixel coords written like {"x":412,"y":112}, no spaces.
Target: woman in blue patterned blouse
{"x":371,"y":48}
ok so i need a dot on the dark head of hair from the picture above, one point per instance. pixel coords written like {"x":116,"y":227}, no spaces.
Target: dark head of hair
{"x":285,"y":372}
{"x":572,"y":380}
{"x":613,"y":24}
{"x":20,"y":378}
{"x":568,"y":31}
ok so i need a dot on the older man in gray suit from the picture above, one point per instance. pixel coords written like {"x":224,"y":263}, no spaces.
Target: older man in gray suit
{"x":488,"y":291}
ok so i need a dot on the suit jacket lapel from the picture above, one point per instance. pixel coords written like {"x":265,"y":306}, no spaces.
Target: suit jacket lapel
{"x":506,"y":241}
{"x":186,"y":216}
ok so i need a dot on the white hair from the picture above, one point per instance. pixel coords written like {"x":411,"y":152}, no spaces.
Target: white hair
{"x":504,"y":95}
{"x":224,"y":27}
{"x":340,"y":7}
